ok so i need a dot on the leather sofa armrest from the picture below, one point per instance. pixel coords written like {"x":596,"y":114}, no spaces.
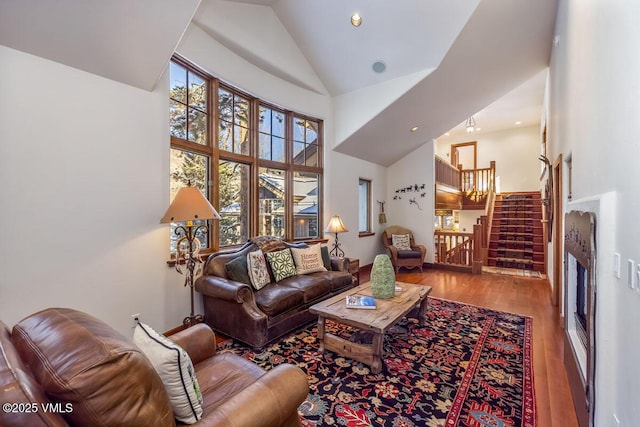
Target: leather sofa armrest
{"x":340,"y":264}
{"x":199,"y":341}
{"x":221,"y":288}
{"x":271,"y":400}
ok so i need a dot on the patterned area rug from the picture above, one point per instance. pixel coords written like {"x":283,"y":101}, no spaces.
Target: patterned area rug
{"x":469,"y":366}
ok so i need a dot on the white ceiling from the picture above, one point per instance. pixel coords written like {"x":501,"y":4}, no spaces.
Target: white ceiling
{"x":123,"y":40}
{"x":482,"y":57}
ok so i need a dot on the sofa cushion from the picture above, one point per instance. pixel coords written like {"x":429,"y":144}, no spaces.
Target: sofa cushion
{"x":20,"y":388}
{"x":312,"y":287}
{"x":308,"y":260}
{"x":257,"y":268}
{"x":281,"y":264}
{"x":276,"y":299}
{"x":174,"y":366}
{"x":402,"y":242}
{"x":223,"y":376}
{"x":409,"y":254}
{"x":81,"y":360}
{"x":337,"y":279}
{"x":238,"y":270}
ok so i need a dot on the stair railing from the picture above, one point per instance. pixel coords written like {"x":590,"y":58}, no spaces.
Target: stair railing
{"x":454,"y":248}
{"x":447,"y":174}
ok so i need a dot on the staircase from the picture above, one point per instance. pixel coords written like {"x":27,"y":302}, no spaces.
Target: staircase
{"x":516,"y":232}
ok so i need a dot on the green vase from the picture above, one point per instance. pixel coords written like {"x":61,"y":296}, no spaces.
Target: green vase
{"x":383,"y":277}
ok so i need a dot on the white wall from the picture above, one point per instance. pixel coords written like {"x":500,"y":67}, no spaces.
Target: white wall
{"x":515,"y":152}
{"x":414,"y":168}
{"x":84,"y":167}
{"x":593,"y":111}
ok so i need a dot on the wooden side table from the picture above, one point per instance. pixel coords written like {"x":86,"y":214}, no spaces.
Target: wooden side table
{"x":354,"y":269}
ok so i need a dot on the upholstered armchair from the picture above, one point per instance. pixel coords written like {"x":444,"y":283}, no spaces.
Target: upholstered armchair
{"x":405,"y":252}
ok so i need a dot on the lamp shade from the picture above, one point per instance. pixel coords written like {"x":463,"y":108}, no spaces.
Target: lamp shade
{"x":189,"y":205}
{"x":336,"y":226}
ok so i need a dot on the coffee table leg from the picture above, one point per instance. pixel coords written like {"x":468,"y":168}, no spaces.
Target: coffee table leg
{"x":422,"y":311}
{"x":321,"y":333}
{"x":376,"y":347}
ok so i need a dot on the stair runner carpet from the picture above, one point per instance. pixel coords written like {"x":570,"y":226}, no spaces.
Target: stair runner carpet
{"x":516,"y":232}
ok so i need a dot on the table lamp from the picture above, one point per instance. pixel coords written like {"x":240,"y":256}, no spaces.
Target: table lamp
{"x":336,"y":226}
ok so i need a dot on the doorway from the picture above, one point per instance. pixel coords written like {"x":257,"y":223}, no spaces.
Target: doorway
{"x":464,"y":154}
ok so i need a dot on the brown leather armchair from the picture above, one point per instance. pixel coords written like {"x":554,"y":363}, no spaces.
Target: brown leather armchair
{"x":96,"y":376}
{"x":412,"y":258}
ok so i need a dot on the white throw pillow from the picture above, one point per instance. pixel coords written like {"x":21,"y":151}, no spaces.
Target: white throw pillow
{"x":308,"y":260}
{"x":402,"y":242}
{"x":174,"y":367}
{"x":257,"y":267}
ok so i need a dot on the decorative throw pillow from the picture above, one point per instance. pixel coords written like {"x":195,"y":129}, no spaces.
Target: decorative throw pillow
{"x":401,"y":242}
{"x":238,"y":270}
{"x":257,"y":268}
{"x":308,"y":260}
{"x":174,"y":367}
{"x":281,"y":264}
{"x":326,"y":257}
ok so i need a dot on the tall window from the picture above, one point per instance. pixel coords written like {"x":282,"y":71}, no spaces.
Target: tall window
{"x":364,"y":206}
{"x":259,"y":164}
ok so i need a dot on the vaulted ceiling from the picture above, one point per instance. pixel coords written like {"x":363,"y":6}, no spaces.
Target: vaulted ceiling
{"x":443,"y":60}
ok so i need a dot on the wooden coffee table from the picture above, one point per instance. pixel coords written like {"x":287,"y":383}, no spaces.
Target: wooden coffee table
{"x":387,"y":313}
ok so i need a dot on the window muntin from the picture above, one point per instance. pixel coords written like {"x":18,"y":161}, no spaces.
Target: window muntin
{"x":305,"y":205}
{"x":233,"y":194}
{"x":364,"y":205}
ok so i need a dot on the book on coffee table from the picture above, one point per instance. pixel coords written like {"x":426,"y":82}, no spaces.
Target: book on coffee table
{"x":361,"y":301}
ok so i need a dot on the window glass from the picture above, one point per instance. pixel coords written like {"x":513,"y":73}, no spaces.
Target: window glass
{"x":364,"y":206}
{"x":305,"y":205}
{"x":188,"y":168}
{"x":234,"y":179}
{"x":271,"y":128}
{"x":234,"y":129}
{"x":305,"y":142}
{"x":187,"y":120}
{"x":271,"y":196}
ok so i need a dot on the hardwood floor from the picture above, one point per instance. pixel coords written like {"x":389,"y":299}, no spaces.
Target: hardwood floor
{"x":526,"y":296}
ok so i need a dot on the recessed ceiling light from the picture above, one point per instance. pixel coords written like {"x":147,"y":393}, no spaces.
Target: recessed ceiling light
{"x":356,"y":20}
{"x":446,"y":134}
{"x":379,"y":67}
{"x":518,"y":122}
{"x":415,"y":128}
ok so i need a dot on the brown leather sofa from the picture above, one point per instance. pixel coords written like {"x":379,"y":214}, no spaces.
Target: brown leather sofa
{"x":256,"y":317}
{"x":62,"y":367}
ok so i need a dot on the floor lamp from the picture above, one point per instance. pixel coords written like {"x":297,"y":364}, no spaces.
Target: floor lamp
{"x":189,"y":205}
{"x":336,"y":226}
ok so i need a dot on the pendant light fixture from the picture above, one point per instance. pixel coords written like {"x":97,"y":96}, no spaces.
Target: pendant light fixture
{"x":470,"y":125}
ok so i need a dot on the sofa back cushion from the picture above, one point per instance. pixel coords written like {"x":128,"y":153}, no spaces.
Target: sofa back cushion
{"x":21,"y":390}
{"x":81,"y":361}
